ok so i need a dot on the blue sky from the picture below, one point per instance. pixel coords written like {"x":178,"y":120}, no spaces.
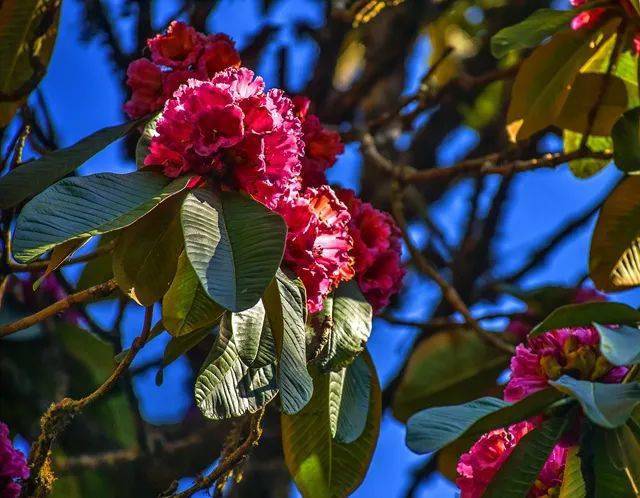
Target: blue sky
{"x":84,"y":95}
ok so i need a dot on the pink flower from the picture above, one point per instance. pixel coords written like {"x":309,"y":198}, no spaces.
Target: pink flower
{"x":219,"y":53}
{"x":231,"y":128}
{"x":376,"y":250}
{"x":477,"y":468}
{"x":318,"y":242}
{"x":571,"y":351}
{"x":179,"y":47}
{"x":322,"y":146}
{"x":145,"y":80}
{"x":13,"y":466}
{"x":587,"y":18}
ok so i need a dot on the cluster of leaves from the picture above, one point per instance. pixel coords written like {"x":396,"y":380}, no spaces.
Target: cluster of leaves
{"x":587,"y":83}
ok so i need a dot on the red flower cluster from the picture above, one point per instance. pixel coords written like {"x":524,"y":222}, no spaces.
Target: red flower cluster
{"x":220,"y":122}
{"x":177,"y":55}
{"x":13,"y":466}
{"x":477,"y":468}
{"x":592,"y":17}
{"x":376,"y":250}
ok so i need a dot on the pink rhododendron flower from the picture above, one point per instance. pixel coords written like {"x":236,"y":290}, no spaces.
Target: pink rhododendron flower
{"x":322,"y":146}
{"x":231,"y":128}
{"x":13,"y":466}
{"x":588,"y":18}
{"x":318,"y":242}
{"x":571,"y":351}
{"x":376,"y":250}
{"x":591,"y":18}
{"x":176,"y":56}
{"x":477,"y":468}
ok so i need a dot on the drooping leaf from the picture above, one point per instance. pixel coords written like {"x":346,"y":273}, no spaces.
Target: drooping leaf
{"x":235,"y":245}
{"x":545,"y":78}
{"x":435,"y":428}
{"x":231,"y":382}
{"x":353,"y":404}
{"x":518,"y":474}
{"x":58,"y":256}
{"x":584,"y":314}
{"x":530,"y":32}
{"x":587,"y":167}
{"x":81,"y":207}
{"x":33,"y":177}
{"x":349,"y":318}
{"x":573,"y":485}
{"x":614,"y":260}
{"x":186,"y":306}
{"x":321,"y":466}
{"x":28,"y":31}
{"x":626,"y":137}
{"x":285,"y":303}
{"x":607,"y":405}
{"x":447,"y":368}
{"x":621,"y":345}
{"x":146,"y":253}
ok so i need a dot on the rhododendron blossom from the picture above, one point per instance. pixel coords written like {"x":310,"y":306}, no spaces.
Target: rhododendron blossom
{"x":568,"y":351}
{"x":13,"y":466}
{"x":477,"y":468}
{"x":177,"y":55}
{"x":376,"y":250}
{"x":318,"y":242}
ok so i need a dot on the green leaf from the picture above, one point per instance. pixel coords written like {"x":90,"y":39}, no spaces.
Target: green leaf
{"x":610,"y":481}
{"x":349,"y":316}
{"x":353,"y":403}
{"x":28,"y":29}
{"x":81,"y":207}
{"x":607,"y":405}
{"x":146,"y":253}
{"x":447,"y":368}
{"x":235,"y":245}
{"x":239,"y":375}
{"x":58,"y":256}
{"x":519,"y":472}
{"x":586,"y":168}
{"x":573,"y":485}
{"x":34,"y":176}
{"x":435,"y":428}
{"x":614,"y":262}
{"x":626,"y":141}
{"x":186,"y":306}
{"x":545,"y":78}
{"x":531,"y":32}
{"x":584,"y":314}
{"x":621,"y":346}
{"x":321,"y":466}
{"x":142,"y":146}
{"x":627,"y":452}
{"x":285,"y":304}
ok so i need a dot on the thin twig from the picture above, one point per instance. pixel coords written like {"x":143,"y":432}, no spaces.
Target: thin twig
{"x":228,"y":463}
{"x":59,"y":415}
{"x":92,"y":293}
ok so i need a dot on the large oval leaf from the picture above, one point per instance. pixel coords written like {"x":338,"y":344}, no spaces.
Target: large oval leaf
{"x":609,"y":476}
{"x":614,"y":261}
{"x":607,"y":405}
{"x":321,"y":466}
{"x":286,"y":303}
{"x":34,"y":176}
{"x":351,"y":401}
{"x":434,"y":428}
{"x":239,"y":375}
{"x":80,"y":207}
{"x":584,"y":314}
{"x":186,"y":306}
{"x":620,"y":345}
{"x":348,"y":316}
{"x":235,"y":245}
{"x":448,"y":368}
{"x":146,"y":253}
{"x":573,"y":485}
{"x":544,"y":79}
{"x":626,"y":141}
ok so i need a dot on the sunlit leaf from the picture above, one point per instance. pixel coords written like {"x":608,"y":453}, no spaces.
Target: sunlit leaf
{"x":573,"y":485}
{"x":587,"y":167}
